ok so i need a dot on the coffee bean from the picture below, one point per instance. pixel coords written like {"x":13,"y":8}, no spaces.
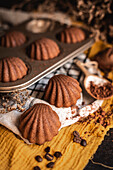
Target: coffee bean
{"x":83,"y":142}
{"x":77,"y":139}
{"x":38,"y":158}
{"x":85,"y":132}
{"x":57,"y":154}
{"x":49,"y":157}
{"x":47,"y":149}
{"x":37,"y":168}
{"x":50,"y":165}
{"x":75,"y":133}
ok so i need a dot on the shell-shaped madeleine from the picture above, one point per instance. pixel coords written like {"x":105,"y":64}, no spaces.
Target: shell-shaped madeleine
{"x":71,"y":35}
{"x":62,"y":91}
{"x":11,"y":69}
{"x":39,"y":124}
{"x":104,"y":59}
{"x":43,"y":49}
{"x":12,"y":39}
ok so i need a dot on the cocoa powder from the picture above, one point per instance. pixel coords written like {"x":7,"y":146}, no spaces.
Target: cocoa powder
{"x":99,"y":116}
{"x":101,"y":91}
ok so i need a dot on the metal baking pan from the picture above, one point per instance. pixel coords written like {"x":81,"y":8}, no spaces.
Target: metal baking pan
{"x":39,"y":69}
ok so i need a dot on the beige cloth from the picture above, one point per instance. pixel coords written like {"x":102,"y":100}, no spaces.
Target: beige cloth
{"x":11,"y":119}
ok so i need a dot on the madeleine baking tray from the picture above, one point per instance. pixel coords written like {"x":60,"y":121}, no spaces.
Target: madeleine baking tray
{"x":39,"y":69}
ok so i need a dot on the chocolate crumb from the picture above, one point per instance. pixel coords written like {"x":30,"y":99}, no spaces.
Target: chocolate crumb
{"x":85,"y":132}
{"x":99,"y":116}
{"x":13,"y":101}
{"x":83,"y":103}
{"x":101,"y":91}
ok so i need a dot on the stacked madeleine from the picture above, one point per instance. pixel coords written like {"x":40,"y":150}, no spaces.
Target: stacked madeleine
{"x":40,"y":123}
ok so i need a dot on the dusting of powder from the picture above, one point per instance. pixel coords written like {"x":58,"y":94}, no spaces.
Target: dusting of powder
{"x":67,"y":116}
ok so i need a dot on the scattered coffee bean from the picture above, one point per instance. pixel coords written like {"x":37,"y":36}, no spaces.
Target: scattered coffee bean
{"x":77,"y":139}
{"x":76,"y":134}
{"x":50,"y":165}
{"x":37,"y":168}
{"x":83,"y":142}
{"x":57,"y":154}
{"x":38,"y":158}
{"x":47,"y":149}
{"x":49,"y":157}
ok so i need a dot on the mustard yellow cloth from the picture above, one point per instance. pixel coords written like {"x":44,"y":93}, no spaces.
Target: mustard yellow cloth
{"x":17,"y":155}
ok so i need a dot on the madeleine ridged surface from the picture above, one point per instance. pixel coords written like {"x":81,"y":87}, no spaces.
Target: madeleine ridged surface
{"x":104,"y":59}
{"x":11,"y":69}
{"x":62,"y":91}
{"x":12,"y":39}
{"x":39,"y":124}
{"x":43,"y":49}
{"x":71,"y":35}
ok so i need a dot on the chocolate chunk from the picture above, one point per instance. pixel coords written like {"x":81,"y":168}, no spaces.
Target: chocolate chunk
{"x":77,"y":139}
{"x":49,"y":157}
{"x":47,"y":149}
{"x":83,"y":103}
{"x":83,"y":142}
{"x":38,"y":158}
{"x":85,"y":132}
{"x":101,"y":91}
{"x":50,"y":165}
{"x":76,"y":134}
{"x":57,"y":154}
{"x":37,"y":168}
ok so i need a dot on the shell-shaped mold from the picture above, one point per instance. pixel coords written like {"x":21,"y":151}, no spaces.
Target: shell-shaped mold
{"x":11,"y":69}
{"x":71,"y":35}
{"x":62,"y":91}
{"x":39,"y":124}
{"x":43,"y":49}
{"x":12,"y":39}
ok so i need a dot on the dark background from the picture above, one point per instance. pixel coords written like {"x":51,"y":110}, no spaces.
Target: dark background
{"x":97,"y":14}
